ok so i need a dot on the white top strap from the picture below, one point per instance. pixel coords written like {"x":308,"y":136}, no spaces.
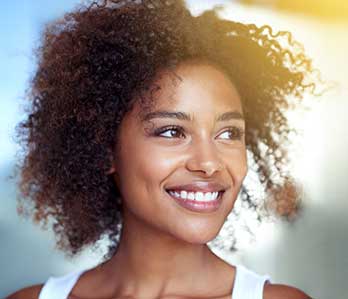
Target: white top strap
{"x":248,"y":285}
{"x":59,"y":287}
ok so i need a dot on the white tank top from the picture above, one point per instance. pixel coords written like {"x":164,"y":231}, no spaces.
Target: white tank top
{"x":247,"y":285}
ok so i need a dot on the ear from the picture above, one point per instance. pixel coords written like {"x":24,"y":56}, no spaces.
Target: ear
{"x":111,"y":170}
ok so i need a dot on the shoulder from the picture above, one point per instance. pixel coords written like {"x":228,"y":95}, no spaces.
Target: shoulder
{"x":31,"y":292}
{"x":276,"y":291}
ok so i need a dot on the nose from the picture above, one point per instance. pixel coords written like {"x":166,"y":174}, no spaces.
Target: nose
{"x":204,"y":157}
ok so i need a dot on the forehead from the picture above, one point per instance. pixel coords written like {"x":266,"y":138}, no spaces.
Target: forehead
{"x":194,"y":88}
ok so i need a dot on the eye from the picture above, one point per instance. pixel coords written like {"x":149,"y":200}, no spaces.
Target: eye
{"x":233,"y":133}
{"x":174,"y":132}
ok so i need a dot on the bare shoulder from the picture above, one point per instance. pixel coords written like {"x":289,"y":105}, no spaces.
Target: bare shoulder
{"x":31,"y":292}
{"x":276,"y":291}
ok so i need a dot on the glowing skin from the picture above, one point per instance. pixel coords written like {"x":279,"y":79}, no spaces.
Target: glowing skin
{"x":148,"y":163}
{"x":163,"y":245}
{"x":162,"y":252}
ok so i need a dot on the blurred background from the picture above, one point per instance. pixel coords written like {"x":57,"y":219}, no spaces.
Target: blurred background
{"x":311,"y":254}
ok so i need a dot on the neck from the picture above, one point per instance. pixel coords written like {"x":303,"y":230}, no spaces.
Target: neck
{"x":149,"y":263}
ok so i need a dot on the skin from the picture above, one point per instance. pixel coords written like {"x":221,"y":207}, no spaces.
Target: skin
{"x":163,"y":251}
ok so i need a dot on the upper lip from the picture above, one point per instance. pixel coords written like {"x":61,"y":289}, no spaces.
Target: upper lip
{"x":202,"y":186}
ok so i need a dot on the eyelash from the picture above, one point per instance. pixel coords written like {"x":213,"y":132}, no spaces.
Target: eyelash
{"x":157,"y":132}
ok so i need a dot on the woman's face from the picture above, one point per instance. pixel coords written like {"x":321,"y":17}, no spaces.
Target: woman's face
{"x":202,"y":146}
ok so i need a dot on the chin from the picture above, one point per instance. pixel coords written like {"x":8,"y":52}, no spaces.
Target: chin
{"x":200,"y":241}
{"x":199,"y":236}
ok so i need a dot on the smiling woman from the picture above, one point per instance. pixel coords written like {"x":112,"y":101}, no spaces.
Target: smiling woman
{"x":187,"y":160}
{"x":140,"y":119}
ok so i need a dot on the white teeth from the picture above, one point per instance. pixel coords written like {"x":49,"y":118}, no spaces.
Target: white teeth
{"x":183,"y":194}
{"x":208,"y":196}
{"x":199,"y":196}
{"x":191,"y":196}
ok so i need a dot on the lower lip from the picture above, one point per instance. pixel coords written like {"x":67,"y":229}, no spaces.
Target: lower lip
{"x":199,"y":206}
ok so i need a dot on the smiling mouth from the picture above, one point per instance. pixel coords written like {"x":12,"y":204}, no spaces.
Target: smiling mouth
{"x":197,"y":201}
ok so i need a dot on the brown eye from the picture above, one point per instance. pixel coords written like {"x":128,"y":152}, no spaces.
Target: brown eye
{"x":174,"y":132}
{"x":233,"y":133}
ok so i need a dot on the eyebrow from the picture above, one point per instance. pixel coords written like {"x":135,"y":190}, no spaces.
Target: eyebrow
{"x":184,"y":116}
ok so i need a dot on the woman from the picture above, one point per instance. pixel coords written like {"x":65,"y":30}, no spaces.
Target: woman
{"x":140,"y":120}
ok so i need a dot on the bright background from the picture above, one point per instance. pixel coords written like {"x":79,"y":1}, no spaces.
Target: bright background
{"x":311,"y":253}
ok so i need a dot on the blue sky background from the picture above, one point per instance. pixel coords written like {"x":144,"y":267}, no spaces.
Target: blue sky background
{"x":20,"y":25}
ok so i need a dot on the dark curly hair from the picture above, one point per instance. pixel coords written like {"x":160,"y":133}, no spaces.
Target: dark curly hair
{"x":98,"y":58}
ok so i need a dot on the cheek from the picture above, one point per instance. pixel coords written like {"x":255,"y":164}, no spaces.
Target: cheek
{"x":153,"y":165}
{"x":143,"y":170}
{"x":237,"y":167}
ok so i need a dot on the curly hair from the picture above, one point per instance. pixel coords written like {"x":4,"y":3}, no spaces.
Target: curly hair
{"x":91,"y":65}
